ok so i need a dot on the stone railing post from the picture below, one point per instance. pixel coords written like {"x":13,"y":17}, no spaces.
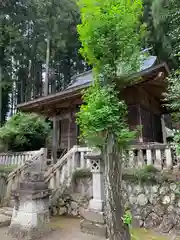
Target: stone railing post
{"x":93,"y":218}
{"x":97,"y":169}
{"x":169,"y":161}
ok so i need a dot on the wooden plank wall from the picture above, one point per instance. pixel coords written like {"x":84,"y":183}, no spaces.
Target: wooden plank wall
{"x":148,"y":113}
{"x":67,"y":129}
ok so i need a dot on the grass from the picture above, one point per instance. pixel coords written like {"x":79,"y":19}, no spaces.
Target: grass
{"x":7,"y":168}
{"x":143,"y":234}
{"x":81,"y":173}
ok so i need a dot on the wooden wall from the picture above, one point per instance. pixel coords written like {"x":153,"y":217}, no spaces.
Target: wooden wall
{"x":144,"y":110}
{"x":138,"y":95}
{"x":67,"y":130}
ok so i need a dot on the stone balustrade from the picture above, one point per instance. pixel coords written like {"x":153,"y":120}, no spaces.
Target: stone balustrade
{"x":15,"y":158}
{"x":17,"y":174}
{"x":58,"y":173}
{"x":161,"y":156}
{"x":62,"y":171}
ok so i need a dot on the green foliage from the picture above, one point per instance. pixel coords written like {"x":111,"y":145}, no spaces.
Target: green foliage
{"x":166,"y":19}
{"x":111,"y":35}
{"x":24,"y":132}
{"x":127,"y":218}
{"x":81,"y":173}
{"x":24,"y":27}
{"x":150,"y":175}
{"x":173,"y":91}
{"x":176,"y":140}
{"x":147,"y":174}
{"x":102,"y":112}
{"x":172,"y":96}
{"x":7,"y":168}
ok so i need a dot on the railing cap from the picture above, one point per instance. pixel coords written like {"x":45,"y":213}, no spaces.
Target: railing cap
{"x":93,"y":155}
{"x":149,"y":146}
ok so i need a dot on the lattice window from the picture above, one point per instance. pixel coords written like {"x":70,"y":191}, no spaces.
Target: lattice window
{"x":95,"y":165}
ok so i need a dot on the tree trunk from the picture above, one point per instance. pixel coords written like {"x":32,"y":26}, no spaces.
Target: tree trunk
{"x":117,"y":230}
{"x":29,"y":82}
{"x":46,"y":83}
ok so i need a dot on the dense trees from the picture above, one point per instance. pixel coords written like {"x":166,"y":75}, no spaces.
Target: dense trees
{"x":162,"y":18}
{"x":37,"y":36}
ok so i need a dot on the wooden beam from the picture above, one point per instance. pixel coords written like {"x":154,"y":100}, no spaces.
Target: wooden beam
{"x":62,"y":116}
{"x":151,"y":94}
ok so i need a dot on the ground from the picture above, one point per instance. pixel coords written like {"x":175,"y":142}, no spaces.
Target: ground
{"x":68,"y":229}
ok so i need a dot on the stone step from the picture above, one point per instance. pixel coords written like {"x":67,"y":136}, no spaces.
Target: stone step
{"x":4,"y":220}
{"x":7,"y":211}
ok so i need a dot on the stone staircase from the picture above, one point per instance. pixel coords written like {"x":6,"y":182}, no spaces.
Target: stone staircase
{"x":5,"y":216}
{"x":57,"y":175}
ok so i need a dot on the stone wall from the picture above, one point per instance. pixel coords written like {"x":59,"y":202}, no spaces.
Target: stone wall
{"x":71,"y":201}
{"x":3,"y":187}
{"x":154,"y":205}
{"x":151,"y":205}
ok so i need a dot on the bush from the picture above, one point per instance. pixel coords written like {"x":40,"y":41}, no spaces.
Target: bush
{"x":7,"y":168}
{"x":24,"y":132}
{"x":146,"y":174}
{"x":81,"y":173}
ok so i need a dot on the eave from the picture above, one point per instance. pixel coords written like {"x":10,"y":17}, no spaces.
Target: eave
{"x":65,"y":98}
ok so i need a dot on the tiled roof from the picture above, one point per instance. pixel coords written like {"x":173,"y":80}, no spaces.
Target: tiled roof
{"x":87,"y":77}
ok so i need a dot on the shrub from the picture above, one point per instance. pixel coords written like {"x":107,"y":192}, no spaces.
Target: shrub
{"x":7,"y":168}
{"x":81,"y":173}
{"x":24,"y":132}
{"x":148,"y":174}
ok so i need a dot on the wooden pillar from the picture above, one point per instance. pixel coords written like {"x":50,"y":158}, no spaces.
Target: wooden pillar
{"x":54,"y":139}
{"x":69,"y":130}
{"x":140,"y":123}
{"x":163,"y":126}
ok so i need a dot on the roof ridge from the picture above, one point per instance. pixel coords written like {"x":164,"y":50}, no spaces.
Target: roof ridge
{"x":81,"y":74}
{"x":74,"y":78}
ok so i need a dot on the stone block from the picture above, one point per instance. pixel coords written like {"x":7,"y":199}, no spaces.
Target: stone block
{"x":88,"y":227}
{"x":153,"y":220}
{"x":4,"y":220}
{"x":93,"y":216}
{"x":62,"y":211}
{"x":21,"y":233}
{"x":137,"y":222}
{"x":167,"y":223}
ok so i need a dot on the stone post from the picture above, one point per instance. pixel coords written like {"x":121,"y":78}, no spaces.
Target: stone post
{"x":93,"y":217}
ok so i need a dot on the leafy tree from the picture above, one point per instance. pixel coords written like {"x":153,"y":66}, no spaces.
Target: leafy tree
{"x":111,"y":34}
{"x":24,"y":132}
{"x":116,"y":29}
